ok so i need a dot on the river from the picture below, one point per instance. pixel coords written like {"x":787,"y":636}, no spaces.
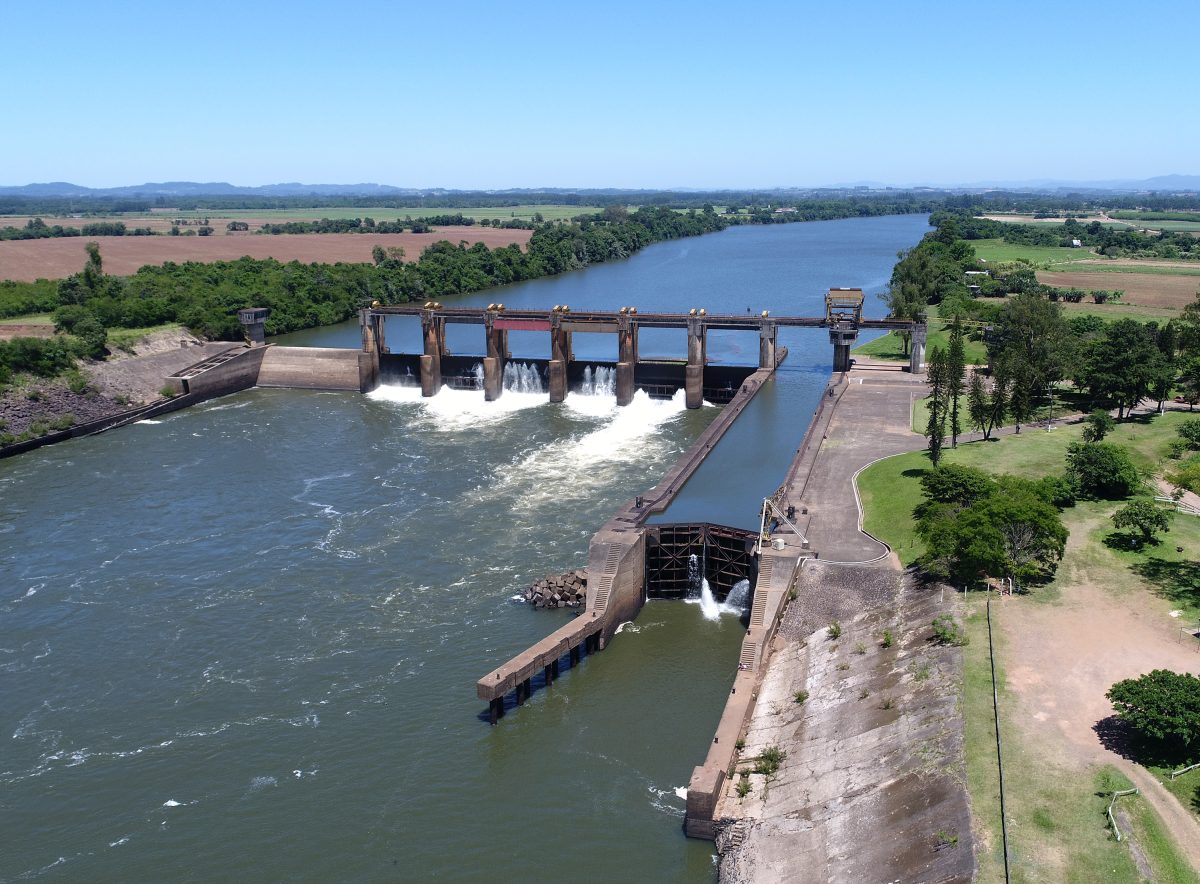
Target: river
{"x":241,"y":642}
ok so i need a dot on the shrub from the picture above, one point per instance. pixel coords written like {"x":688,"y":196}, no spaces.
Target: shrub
{"x":77,"y":381}
{"x":769,"y":761}
{"x":1177,"y":448}
{"x":834,"y":630}
{"x":888,"y":638}
{"x":1189,"y":432}
{"x":800,"y":697}
{"x":1102,"y":470}
{"x":947,"y":631}
{"x":743,"y":787}
{"x":1097,"y":425}
{"x":63,"y":422}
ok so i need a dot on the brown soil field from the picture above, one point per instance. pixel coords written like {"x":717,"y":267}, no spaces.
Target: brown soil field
{"x":1142,"y":289}
{"x":28,"y":330}
{"x":30,"y":259}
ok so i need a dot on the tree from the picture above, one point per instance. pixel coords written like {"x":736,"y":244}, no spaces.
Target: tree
{"x":93,"y":335}
{"x":955,"y":374}
{"x":378,"y":255}
{"x":1121,"y":365}
{"x":1163,"y":706}
{"x":1032,"y":331}
{"x":935,"y":427}
{"x":1143,"y":516}
{"x":1012,"y":531}
{"x":1102,"y":470}
{"x":1021,"y":391}
{"x":1189,"y":381}
{"x":978,"y":407}
{"x":1097,"y":425}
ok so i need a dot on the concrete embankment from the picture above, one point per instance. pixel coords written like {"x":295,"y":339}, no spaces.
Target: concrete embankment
{"x":313,"y":368}
{"x":870,"y":781}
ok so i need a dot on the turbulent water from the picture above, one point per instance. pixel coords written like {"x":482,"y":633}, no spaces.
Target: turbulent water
{"x":240,"y":642}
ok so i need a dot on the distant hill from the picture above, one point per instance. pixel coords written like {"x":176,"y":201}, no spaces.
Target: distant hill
{"x":58,"y":189}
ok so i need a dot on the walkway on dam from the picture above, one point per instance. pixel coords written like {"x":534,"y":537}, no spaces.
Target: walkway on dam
{"x":871,"y":418}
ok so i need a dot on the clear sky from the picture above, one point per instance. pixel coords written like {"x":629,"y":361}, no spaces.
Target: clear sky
{"x":604,"y":94}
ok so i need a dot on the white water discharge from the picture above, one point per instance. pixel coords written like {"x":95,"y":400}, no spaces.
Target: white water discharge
{"x":454,"y":410}
{"x":567,"y":469}
{"x":599,"y":381}
{"x":522,"y":377}
{"x":700,"y":593}
{"x":738,"y":600}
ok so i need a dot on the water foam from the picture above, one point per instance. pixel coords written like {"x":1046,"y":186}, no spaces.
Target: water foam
{"x":566,"y":468}
{"x":453,"y":410}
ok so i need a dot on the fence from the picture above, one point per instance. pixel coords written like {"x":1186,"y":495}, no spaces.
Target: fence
{"x":999,"y":751}
{"x":1112,"y":820}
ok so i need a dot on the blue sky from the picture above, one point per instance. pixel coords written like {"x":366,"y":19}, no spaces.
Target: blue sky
{"x":490,"y":94}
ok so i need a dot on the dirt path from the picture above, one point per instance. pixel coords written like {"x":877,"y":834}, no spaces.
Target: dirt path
{"x":1061,"y":660}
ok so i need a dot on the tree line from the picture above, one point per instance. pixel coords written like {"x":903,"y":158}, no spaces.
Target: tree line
{"x":205,"y":297}
{"x":36,"y":228}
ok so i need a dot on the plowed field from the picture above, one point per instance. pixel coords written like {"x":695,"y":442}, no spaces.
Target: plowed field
{"x":1143,"y":289}
{"x":31,"y":259}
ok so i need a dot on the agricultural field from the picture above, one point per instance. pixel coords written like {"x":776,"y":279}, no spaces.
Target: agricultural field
{"x":29,"y":259}
{"x":1167,"y":292}
{"x":997,"y":251}
{"x":1174,"y":221}
{"x":159,"y":220}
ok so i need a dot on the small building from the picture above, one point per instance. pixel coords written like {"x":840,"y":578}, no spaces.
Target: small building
{"x":1076,"y":244}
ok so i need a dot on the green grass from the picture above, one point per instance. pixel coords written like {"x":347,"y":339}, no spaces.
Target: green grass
{"x":1185,"y":788}
{"x":1101,"y":265}
{"x":31,"y":319}
{"x":997,"y":251}
{"x":891,"y":346}
{"x":1057,"y":827}
{"x":126,"y":338}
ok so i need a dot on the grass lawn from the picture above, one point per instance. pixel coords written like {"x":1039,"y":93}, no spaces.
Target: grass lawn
{"x":1056,"y":822}
{"x":997,"y":251}
{"x":891,"y":346}
{"x":1100,"y":265}
{"x":1057,"y":827}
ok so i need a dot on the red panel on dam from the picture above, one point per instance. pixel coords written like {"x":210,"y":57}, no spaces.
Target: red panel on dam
{"x":523,"y":324}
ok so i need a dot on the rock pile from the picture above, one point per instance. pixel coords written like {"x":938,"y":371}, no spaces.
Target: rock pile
{"x":567,"y":590}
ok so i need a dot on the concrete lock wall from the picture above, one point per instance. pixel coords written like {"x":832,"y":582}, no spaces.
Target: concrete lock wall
{"x":312,"y":368}
{"x":239,"y":373}
{"x":616,"y":595}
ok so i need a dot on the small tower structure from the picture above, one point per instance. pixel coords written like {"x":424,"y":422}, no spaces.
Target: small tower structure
{"x":254,"y":319}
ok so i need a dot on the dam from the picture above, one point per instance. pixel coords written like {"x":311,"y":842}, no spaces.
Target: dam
{"x":335,"y":617}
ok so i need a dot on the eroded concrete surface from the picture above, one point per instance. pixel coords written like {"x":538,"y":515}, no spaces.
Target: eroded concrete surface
{"x":873,"y":785}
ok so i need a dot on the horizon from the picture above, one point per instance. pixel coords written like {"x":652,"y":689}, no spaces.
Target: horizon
{"x":674,"y":97}
{"x":1115,"y":182}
